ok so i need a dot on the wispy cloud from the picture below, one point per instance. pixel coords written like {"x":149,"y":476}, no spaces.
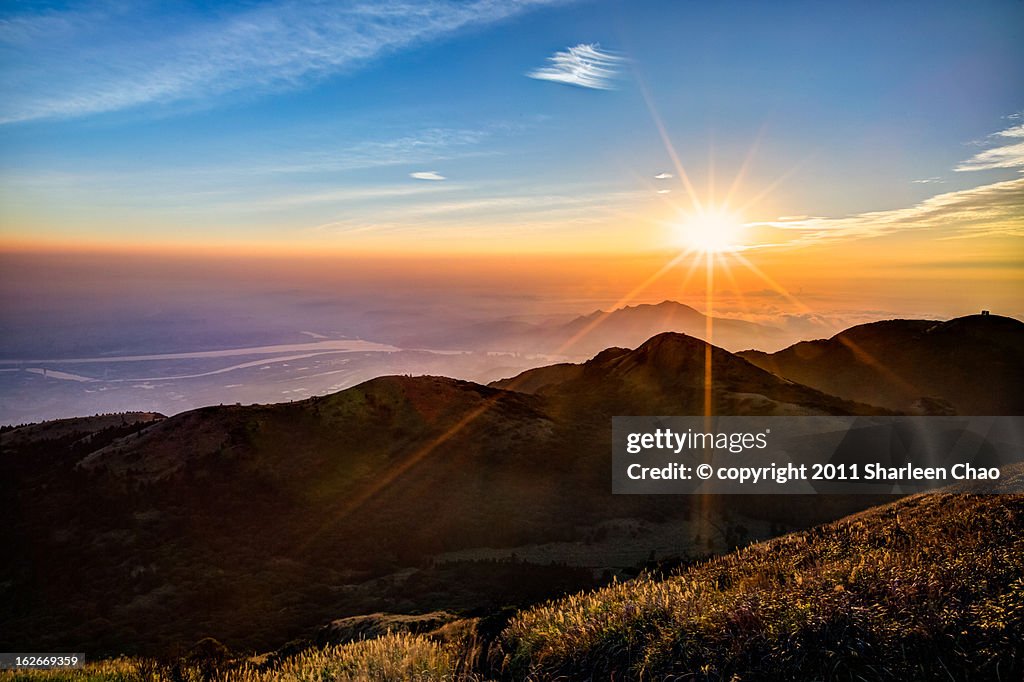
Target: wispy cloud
{"x":530,"y":209}
{"x":108,"y":57}
{"x":519,"y":205}
{"x":421,"y":146}
{"x":1009,"y":153}
{"x":663,"y":176}
{"x":929,"y":181}
{"x":427,"y":175}
{"x":584,"y":65}
{"x":353,"y":196}
{"x":993,"y":209}
{"x":253,"y":180}
{"x":996,"y":208}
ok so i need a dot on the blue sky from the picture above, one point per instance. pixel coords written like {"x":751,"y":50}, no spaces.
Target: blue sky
{"x":405,"y":125}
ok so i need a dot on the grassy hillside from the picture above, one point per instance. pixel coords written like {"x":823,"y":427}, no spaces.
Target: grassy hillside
{"x":931,"y":587}
{"x":928,"y":588}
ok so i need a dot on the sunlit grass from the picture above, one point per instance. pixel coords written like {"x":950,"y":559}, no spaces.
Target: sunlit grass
{"x":931,"y":586}
{"x":114,"y":670}
{"x":391,"y":658}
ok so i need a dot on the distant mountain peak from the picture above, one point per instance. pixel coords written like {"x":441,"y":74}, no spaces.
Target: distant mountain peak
{"x":668,"y":303}
{"x":632,"y":325}
{"x":666,"y":306}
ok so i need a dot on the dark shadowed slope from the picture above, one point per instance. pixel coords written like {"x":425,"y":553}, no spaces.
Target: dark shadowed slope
{"x":246,"y":522}
{"x":969,"y":365}
{"x":74,"y":427}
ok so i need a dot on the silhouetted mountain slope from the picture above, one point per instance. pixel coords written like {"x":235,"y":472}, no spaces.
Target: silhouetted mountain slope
{"x":666,"y":375}
{"x":536,"y":380}
{"x":972,"y":365}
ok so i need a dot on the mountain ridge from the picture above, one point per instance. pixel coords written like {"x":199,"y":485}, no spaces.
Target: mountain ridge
{"x":967,"y":365}
{"x":674,"y":364}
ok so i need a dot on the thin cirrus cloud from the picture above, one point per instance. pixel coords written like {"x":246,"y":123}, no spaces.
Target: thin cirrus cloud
{"x":422,"y":146}
{"x":663,"y":176}
{"x":351,"y":196}
{"x":585,"y":65}
{"x":997,"y":208}
{"x":992,"y":209}
{"x":1009,"y":154}
{"x":112,"y":56}
{"x":242,"y":183}
{"x":427,"y":175}
{"x":525,"y":210}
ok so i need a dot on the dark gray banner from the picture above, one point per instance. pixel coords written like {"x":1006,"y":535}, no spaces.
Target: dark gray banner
{"x":29,"y":661}
{"x":807,"y":455}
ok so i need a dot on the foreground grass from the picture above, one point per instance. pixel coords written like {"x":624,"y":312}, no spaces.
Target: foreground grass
{"x":928,"y":588}
{"x":931,"y":587}
{"x":117,"y":670}
{"x":390,"y":658}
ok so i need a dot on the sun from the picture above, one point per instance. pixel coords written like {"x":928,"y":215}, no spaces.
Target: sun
{"x":711,"y":230}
